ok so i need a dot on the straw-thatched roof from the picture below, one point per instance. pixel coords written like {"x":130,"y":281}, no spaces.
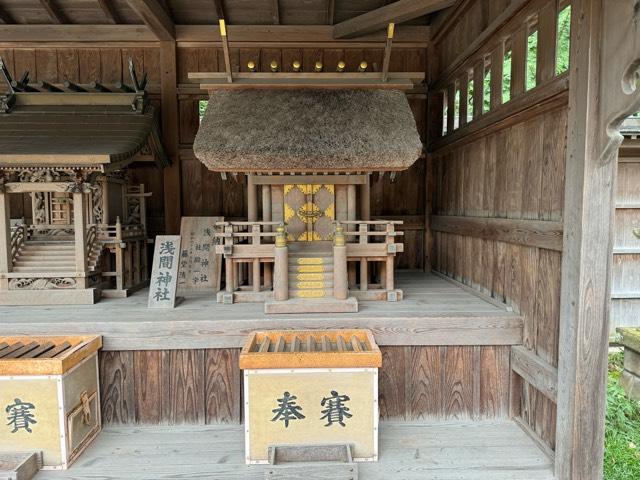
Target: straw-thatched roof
{"x":308,"y":130}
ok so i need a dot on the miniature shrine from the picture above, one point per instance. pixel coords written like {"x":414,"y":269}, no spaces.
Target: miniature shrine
{"x":66,"y":154}
{"x":314,"y":186}
{"x":322,"y":239}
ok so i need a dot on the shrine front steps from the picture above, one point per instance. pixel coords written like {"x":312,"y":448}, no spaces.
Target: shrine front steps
{"x":311,"y":305}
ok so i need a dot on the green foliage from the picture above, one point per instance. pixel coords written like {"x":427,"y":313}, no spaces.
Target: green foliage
{"x":622,"y":434}
{"x":532,"y":60}
{"x":506,"y":77}
{"x":486,"y":103}
{"x":564,"y":40}
{"x":202,"y":107}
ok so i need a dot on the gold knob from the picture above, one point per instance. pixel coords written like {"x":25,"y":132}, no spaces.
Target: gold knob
{"x":273,"y":65}
{"x":251,"y":66}
{"x":296,"y":65}
{"x":318,"y":66}
{"x":341,"y":66}
{"x":363,"y":66}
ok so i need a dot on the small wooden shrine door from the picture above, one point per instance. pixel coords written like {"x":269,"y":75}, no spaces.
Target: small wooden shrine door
{"x":309,"y":212}
{"x":61,"y":206}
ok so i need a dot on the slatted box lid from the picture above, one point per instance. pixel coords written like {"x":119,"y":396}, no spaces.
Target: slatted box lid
{"x":51,"y":355}
{"x":310,"y":349}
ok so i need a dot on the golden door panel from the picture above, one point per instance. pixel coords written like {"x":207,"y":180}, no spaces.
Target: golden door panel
{"x":309,"y":211}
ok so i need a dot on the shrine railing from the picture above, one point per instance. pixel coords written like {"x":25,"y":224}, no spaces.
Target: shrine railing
{"x":119,"y":232}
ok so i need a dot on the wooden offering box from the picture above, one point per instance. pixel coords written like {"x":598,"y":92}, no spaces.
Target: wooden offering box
{"x":311,"y":387}
{"x":49,"y":396}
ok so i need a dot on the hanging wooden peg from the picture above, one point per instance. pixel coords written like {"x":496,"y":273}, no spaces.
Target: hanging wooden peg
{"x":387,"y":52}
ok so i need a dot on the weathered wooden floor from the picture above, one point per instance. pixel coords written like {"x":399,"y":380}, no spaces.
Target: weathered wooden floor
{"x":434,"y":312}
{"x":469,"y":451}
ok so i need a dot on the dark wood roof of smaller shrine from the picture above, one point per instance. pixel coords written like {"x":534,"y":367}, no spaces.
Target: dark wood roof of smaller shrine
{"x":308,"y":131}
{"x":102,"y":131}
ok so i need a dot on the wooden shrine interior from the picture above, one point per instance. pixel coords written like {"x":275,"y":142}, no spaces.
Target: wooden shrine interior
{"x":476,"y":338}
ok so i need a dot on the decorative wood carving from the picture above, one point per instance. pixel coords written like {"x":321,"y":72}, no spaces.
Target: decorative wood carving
{"x":53,"y":283}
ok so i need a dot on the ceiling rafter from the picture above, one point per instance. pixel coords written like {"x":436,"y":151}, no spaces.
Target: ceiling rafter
{"x":54,"y":11}
{"x":219,"y":9}
{"x":396,"y":12}
{"x":154,"y":15}
{"x":5,"y":17}
{"x":107,"y":8}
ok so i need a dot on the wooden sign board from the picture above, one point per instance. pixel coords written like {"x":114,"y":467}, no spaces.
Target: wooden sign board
{"x":200,"y":268}
{"x":311,"y":406}
{"x":164,"y":275}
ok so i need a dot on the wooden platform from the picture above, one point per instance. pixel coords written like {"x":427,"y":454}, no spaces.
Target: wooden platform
{"x":469,"y":451}
{"x":434,"y":312}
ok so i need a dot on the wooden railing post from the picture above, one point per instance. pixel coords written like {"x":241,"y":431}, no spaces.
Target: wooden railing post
{"x":228,"y":259}
{"x":390,"y":238}
{"x":340,"y":276}
{"x":364,"y":266}
{"x":255,"y":240}
{"x":281,"y":266}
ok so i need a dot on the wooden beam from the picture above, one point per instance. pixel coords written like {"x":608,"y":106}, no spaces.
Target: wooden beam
{"x":219,"y":9}
{"x":239,"y":35}
{"x":155,"y":17}
{"x":107,"y":8}
{"x":536,"y":371}
{"x":5,"y":17}
{"x":532,"y":233}
{"x":605,"y":61}
{"x":53,"y":11}
{"x":170,"y":137}
{"x":276,"y":12}
{"x":397,"y":12}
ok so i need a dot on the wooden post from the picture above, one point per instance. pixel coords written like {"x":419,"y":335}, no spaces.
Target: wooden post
{"x":340,"y":279}
{"x":389,"y":267}
{"x":281,"y":266}
{"x":170,"y":136}
{"x":365,"y":199}
{"x":266,"y":217}
{"x":79,"y":223}
{"x":6,"y":262}
{"x":119,"y":256}
{"x":255,"y":240}
{"x":104,"y":185}
{"x":229,"y":267}
{"x":364,"y":266}
{"x":252,"y":216}
{"x":605,"y":57}
{"x":351,"y":216}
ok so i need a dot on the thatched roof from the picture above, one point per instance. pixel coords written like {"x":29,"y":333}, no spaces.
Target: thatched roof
{"x":46,"y":130}
{"x":308,"y":130}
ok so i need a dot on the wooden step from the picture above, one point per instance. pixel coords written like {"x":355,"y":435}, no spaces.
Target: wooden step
{"x":70,"y":269}
{"x":311,"y":293}
{"x":316,"y":305}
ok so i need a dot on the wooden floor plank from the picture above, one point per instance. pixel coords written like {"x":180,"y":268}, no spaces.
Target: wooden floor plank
{"x":497,"y":450}
{"x":434,"y":312}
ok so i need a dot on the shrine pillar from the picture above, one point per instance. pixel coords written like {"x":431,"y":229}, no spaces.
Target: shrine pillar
{"x":5,"y":239}
{"x":340,"y":276}
{"x":80,"y":232}
{"x":281,"y":266}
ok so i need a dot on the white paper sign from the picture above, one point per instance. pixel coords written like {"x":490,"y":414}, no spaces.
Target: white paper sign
{"x":164,"y":275}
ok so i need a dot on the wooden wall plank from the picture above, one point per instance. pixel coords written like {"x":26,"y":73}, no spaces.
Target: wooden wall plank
{"x":149,"y":390}
{"x":183,"y":387}
{"x":223,"y":387}
{"x":392,"y":386}
{"x":117,"y":387}
{"x":424,"y":380}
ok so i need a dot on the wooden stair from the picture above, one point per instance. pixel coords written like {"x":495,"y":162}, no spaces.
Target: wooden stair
{"x":52,"y":254}
{"x":310,"y":275}
{"x":311,"y":282}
